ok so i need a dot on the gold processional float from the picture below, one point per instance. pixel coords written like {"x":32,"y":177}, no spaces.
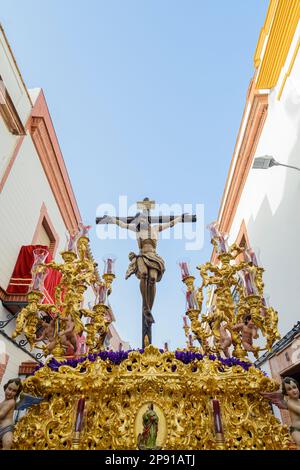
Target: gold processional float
{"x":200,"y":397}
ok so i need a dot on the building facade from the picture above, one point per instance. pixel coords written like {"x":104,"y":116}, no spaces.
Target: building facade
{"x":37,"y":202}
{"x":260,"y":208}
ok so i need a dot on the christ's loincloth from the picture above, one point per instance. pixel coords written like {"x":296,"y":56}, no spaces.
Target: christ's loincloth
{"x":151,"y":261}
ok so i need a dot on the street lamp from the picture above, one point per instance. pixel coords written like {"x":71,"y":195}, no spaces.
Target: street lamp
{"x":265,"y":162}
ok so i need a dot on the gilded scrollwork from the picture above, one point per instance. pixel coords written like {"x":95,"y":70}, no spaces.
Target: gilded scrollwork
{"x":199,"y":399}
{"x":114,"y":393}
{"x":236,"y":308}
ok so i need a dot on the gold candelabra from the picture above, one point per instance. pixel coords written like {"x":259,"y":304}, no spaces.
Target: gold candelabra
{"x":65,"y":316}
{"x":237,"y":308}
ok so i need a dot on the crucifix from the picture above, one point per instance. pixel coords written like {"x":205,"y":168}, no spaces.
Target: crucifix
{"x":148,"y":266}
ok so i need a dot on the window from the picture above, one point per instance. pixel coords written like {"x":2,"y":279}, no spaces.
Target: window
{"x":45,"y":233}
{"x":9,"y":113}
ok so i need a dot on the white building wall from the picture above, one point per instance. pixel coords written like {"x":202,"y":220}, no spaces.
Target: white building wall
{"x":270,"y":200}
{"x":25,"y":190}
{"x":16,"y":357}
{"x":15,"y":87}
{"x":13,"y":81}
{"x":7,"y":145}
{"x":21,"y":199}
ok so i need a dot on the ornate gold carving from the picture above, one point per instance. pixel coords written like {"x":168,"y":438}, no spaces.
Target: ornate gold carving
{"x":181,"y":394}
{"x":229,"y":322}
{"x":197,"y":402}
{"x":78,"y":272}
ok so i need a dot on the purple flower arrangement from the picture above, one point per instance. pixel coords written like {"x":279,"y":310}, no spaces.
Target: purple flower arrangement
{"x":188,"y":356}
{"x":116,"y":357}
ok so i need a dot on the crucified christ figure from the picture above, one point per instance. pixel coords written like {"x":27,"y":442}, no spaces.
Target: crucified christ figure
{"x":147,"y":265}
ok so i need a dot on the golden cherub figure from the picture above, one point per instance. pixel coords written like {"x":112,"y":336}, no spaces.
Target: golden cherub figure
{"x":98,"y":326}
{"x":27,"y":320}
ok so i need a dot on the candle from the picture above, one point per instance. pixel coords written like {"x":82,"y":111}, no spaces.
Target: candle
{"x":102,"y":294}
{"x":84,"y":229}
{"x":249,"y":286}
{"x":82,"y":347}
{"x":184,"y":270}
{"x":213,"y":230}
{"x":120,"y":346}
{"x":191,"y":340}
{"x":184,"y":321}
{"x":37,"y":271}
{"x":249,"y":283}
{"x":191,"y":300}
{"x":251,"y":257}
{"x":38,"y":279}
{"x":109,"y":265}
{"x":72,"y":241}
{"x":79,"y":415}
{"x":217,"y":417}
{"x":188,"y":299}
{"x":166,"y":347}
{"x":222,"y":244}
{"x":80,"y":342}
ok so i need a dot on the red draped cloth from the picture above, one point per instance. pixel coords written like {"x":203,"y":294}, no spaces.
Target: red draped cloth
{"x":21,"y":277}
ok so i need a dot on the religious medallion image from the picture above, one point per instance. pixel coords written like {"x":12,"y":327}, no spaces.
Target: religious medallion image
{"x":150,"y":427}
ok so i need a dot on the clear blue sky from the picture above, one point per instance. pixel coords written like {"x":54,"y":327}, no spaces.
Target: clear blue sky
{"x":146,"y":99}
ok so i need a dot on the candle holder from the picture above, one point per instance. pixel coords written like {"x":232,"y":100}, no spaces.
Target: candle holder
{"x":109,"y":271}
{"x":97,"y":327}
{"x":27,"y":320}
{"x":76,"y":440}
{"x":218,"y":427}
{"x":238,"y":351}
{"x":58,"y":351}
{"x":189,"y":282}
{"x":82,"y":247}
{"x":68,"y":256}
{"x":34,"y":296}
{"x":108,"y":278}
{"x":220,"y":442}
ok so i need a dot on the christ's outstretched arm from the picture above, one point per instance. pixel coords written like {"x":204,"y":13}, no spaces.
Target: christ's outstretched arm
{"x":162,"y":227}
{"x":114,"y":220}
